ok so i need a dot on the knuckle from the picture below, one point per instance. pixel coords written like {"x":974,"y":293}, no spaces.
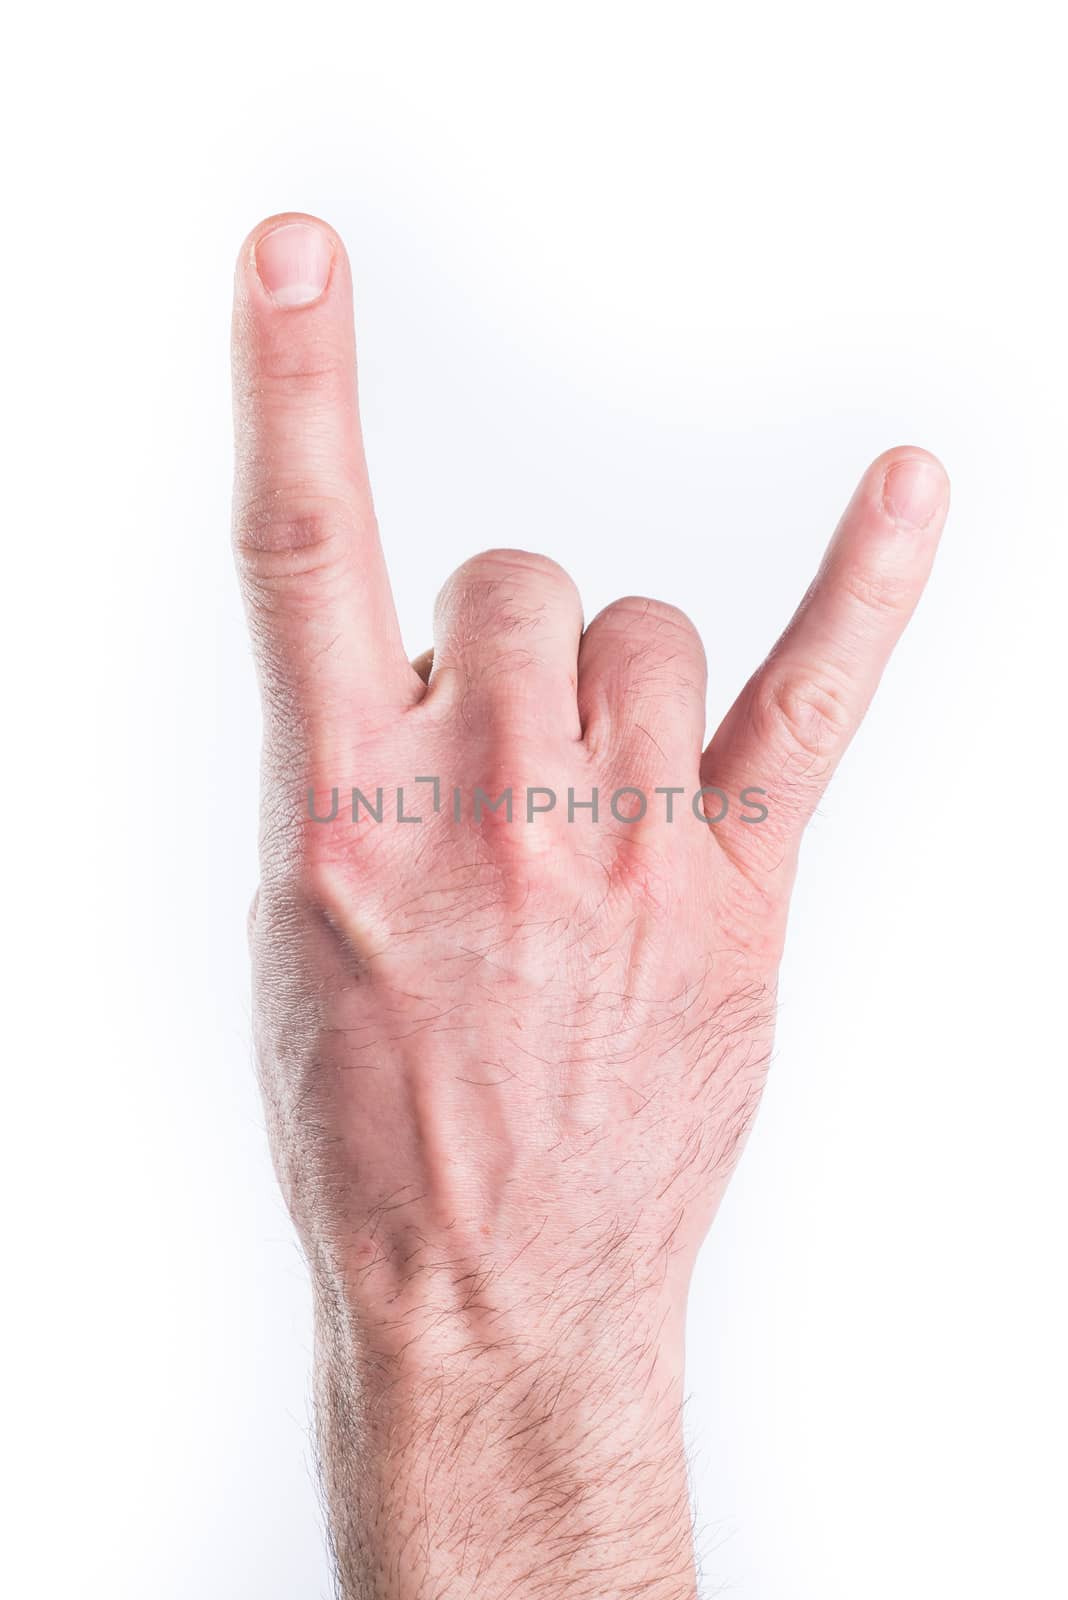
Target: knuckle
{"x":301,"y":371}
{"x":282,"y":535}
{"x":808,"y":714}
{"x":656,"y":646}
{"x":876,"y":591}
{"x":284,"y":367}
{"x":511,"y":590}
{"x":504,"y":563}
{"x":637,"y":613}
{"x":297,"y":380}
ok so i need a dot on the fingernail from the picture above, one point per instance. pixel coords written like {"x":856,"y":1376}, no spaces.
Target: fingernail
{"x":913,"y":491}
{"x":293,"y":262}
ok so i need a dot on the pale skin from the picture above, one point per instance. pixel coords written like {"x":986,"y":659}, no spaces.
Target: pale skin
{"x":509,"y":1067}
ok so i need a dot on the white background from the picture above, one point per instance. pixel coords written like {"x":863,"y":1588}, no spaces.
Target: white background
{"x":644,"y":287}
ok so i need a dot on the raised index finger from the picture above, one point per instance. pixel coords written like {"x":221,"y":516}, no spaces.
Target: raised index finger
{"x":325,"y":631}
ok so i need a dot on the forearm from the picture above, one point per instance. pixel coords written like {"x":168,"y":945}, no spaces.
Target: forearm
{"x":480,"y":1452}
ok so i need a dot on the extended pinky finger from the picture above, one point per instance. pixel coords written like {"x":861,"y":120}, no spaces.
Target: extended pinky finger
{"x":789,"y":727}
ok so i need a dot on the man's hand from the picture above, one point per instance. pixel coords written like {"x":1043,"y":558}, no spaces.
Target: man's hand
{"x":509,"y":1063}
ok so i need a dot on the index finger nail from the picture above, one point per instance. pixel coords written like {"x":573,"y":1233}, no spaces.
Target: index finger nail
{"x":293,"y":262}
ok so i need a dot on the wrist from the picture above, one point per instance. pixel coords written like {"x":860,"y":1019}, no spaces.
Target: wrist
{"x":480,"y":1448}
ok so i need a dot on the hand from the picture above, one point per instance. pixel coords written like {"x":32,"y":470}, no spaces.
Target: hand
{"x":509,"y":1064}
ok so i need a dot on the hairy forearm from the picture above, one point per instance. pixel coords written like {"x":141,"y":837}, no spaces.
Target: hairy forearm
{"x":475,"y":1452}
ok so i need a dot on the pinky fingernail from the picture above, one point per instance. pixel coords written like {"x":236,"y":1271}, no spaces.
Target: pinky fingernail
{"x":914,"y":491}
